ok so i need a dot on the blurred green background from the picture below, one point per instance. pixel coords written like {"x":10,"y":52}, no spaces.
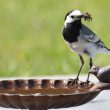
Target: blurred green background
{"x":31,"y":43}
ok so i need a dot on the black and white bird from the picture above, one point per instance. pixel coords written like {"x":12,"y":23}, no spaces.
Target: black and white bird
{"x":81,"y":39}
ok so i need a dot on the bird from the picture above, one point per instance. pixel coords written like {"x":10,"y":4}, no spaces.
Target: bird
{"x":81,"y":39}
{"x":102,"y":73}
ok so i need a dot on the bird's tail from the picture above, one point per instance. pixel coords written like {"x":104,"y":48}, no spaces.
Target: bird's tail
{"x":105,"y":50}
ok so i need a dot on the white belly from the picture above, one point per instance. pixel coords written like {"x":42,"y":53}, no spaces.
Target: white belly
{"x":84,"y":48}
{"x":77,"y":47}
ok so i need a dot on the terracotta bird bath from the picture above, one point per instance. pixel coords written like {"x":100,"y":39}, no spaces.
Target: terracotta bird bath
{"x":44,"y":94}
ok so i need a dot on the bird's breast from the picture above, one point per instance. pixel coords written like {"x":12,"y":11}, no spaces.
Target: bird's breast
{"x":70,"y":35}
{"x":71,"y":32}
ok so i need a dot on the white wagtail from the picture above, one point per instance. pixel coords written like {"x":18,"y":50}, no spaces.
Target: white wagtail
{"x":81,"y":39}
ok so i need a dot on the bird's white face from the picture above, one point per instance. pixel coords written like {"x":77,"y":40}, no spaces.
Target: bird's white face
{"x":72,"y":16}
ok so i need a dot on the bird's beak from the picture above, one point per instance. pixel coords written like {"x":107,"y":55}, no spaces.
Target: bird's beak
{"x":80,"y":16}
{"x":86,"y":16}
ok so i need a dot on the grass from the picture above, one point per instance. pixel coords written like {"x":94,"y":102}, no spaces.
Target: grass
{"x":31,"y":43}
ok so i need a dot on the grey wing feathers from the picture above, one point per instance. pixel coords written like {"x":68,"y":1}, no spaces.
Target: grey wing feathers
{"x":88,"y":35}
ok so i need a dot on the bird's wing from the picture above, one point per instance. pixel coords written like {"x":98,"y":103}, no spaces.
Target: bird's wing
{"x":88,"y":35}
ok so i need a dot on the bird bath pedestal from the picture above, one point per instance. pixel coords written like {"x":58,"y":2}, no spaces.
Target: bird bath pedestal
{"x":44,"y":94}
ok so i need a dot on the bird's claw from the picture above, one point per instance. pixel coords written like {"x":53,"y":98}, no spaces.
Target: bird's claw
{"x":72,"y":82}
{"x":85,"y":84}
{"x":87,"y":81}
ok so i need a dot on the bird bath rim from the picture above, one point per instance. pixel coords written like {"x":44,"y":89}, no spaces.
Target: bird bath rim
{"x":19,"y":94}
{"x":38,"y":94}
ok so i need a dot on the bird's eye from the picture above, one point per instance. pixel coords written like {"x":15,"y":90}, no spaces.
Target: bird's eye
{"x":72,"y":16}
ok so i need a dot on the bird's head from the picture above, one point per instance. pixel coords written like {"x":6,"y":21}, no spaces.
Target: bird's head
{"x":75,"y":15}
{"x":94,"y":70}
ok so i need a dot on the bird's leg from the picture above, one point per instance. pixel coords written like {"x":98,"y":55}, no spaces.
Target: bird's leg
{"x":77,"y":78}
{"x":91,"y":63}
{"x":82,"y":63}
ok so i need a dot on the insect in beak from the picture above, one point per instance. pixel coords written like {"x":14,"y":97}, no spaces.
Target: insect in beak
{"x":87,"y":16}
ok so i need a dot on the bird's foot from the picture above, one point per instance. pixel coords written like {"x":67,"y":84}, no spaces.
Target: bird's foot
{"x":72,"y":82}
{"x":87,"y":83}
{"x":84,"y":84}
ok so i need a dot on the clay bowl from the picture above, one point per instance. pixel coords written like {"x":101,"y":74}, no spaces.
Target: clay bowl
{"x":43,"y":94}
